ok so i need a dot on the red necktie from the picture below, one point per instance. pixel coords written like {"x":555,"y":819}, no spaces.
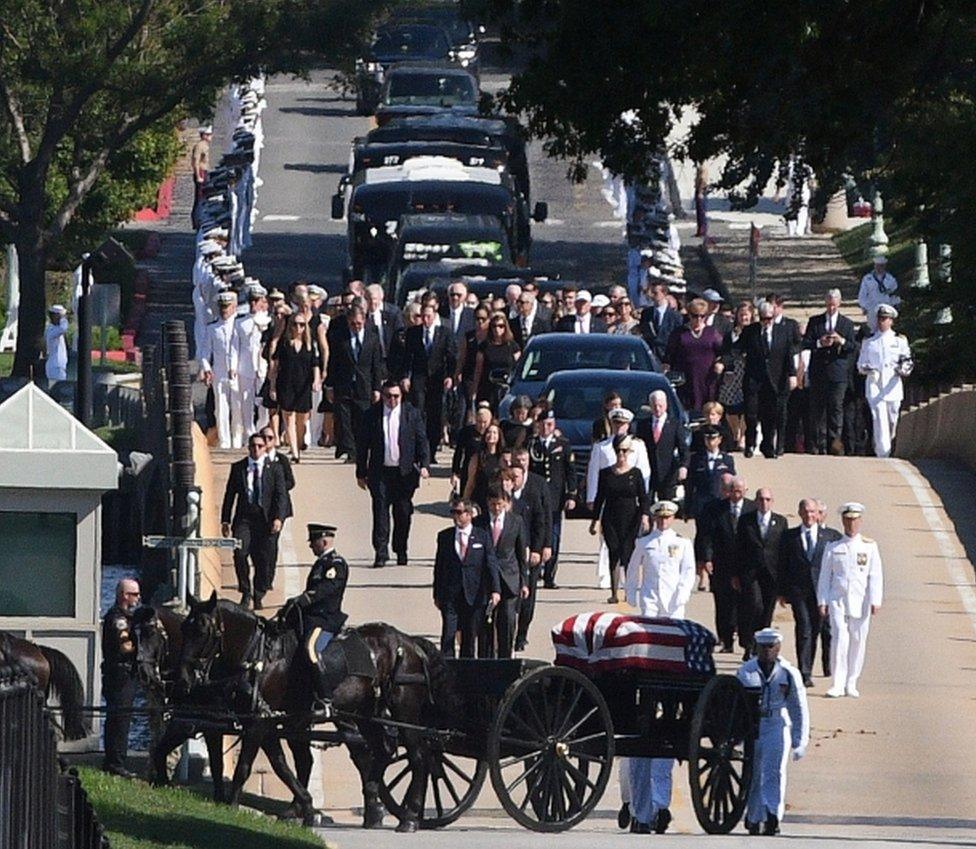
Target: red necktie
{"x":658,"y":427}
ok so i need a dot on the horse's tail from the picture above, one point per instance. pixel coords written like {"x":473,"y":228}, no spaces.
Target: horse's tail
{"x":65,"y":684}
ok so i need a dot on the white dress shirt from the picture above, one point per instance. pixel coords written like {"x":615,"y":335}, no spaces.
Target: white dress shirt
{"x":391,"y":436}
{"x":462,"y":535}
{"x":582,"y":323}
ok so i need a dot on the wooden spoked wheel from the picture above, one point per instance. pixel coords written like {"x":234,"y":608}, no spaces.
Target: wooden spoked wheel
{"x":550,"y":750}
{"x":720,"y":754}
{"x":451,"y":785}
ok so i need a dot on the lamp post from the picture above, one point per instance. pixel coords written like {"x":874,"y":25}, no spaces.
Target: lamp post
{"x":83,"y":388}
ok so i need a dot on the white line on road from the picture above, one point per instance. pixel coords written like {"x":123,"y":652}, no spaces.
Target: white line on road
{"x":281,"y":218}
{"x":608,"y":224}
{"x":554,"y":222}
{"x":943,"y":538}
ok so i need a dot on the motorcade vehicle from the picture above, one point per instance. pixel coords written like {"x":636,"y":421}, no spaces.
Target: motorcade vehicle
{"x":426,"y":89}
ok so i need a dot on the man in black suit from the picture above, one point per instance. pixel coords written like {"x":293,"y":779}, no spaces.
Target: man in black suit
{"x":583,"y":321}
{"x":466,"y":581}
{"x":659,"y":320}
{"x":530,"y":499}
{"x":460,"y":317}
{"x":391,"y":458}
{"x":544,"y":312}
{"x":272,"y":456}
{"x":780,"y":317}
{"x":386,"y":318}
{"x":430,"y":359}
{"x":830,"y":339}
{"x":715,"y":549}
{"x":664,"y":435}
{"x":799,"y":571}
{"x":354,"y":376}
{"x":770,"y":376}
{"x":510,"y":539}
{"x":253,"y":511}
{"x":759,"y":538}
{"x":529,"y":322}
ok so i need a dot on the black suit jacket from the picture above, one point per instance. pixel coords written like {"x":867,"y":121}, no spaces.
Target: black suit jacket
{"x":833,"y":364}
{"x":465,"y":324}
{"x":567,"y":324}
{"x":285,"y":464}
{"x":796,"y":337}
{"x":274,"y":494}
{"x":351,"y":378}
{"x":758,"y":558}
{"x":412,"y":439}
{"x":540,"y":324}
{"x":510,"y":551}
{"x":772,"y":367}
{"x":668,"y":455}
{"x":476,"y":577}
{"x":798,"y":573}
{"x":392,"y":320}
{"x":715,"y":536}
{"x":421,"y":366}
{"x":657,"y":340}
{"x":535,"y":508}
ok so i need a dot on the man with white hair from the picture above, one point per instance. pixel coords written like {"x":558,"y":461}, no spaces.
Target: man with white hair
{"x":583,"y":321}
{"x":664,"y":435}
{"x":512,"y":292}
{"x":386,"y":318}
{"x":884,"y":360}
{"x":829,"y":338}
{"x":770,"y":376}
{"x":877,"y":287}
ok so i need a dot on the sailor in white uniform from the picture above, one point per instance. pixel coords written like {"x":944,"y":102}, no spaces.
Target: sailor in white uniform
{"x":877,"y":287}
{"x":884,"y":360}
{"x":251,"y":366}
{"x":784,"y":724}
{"x":660,"y":580}
{"x":55,"y":331}
{"x":849,"y":591}
{"x":218,"y":369}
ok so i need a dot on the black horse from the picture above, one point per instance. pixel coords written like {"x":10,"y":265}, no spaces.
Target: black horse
{"x":159,"y":648}
{"x":263,"y":674}
{"x":56,"y":677}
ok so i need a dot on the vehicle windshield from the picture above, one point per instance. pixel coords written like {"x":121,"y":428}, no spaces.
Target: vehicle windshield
{"x":431,"y":90}
{"x":412,"y":41}
{"x":584,"y":401}
{"x":391,"y":203}
{"x":541,"y":361}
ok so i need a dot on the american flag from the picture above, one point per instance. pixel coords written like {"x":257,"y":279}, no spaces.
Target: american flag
{"x":606,"y":642}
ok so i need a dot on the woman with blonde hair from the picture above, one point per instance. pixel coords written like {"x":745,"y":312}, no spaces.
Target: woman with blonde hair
{"x":294,"y":374}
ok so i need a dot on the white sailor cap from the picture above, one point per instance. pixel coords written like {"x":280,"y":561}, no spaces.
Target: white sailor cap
{"x":880,"y":255}
{"x":767,"y":637}
{"x":206,"y":129}
{"x":209,"y":247}
{"x":57,"y":309}
{"x":852,"y":509}
{"x":622,"y":414}
{"x":217,"y":233}
{"x":886,"y":311}
{"x":228,"y":296}
{"x":316,"y":291}
{"x":255,"y":290}
{"x":664,"y":508}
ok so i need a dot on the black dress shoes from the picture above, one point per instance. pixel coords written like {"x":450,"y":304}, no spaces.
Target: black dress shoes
{"x":663,"y":821}
{"x":772,"y":826}
{"x":807,"y":681}
{"x":379,"y":562}
{"x":640,"y":827}
{"x":752,"y":827}
{"x":748,"y":453}
{"x":258,"y":601}
{"x":245,"y":599}
{"x":623,"y":816}
{"x":402,"y":559}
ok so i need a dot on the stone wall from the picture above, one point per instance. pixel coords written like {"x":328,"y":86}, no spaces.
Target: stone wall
{"x":940,"y":428}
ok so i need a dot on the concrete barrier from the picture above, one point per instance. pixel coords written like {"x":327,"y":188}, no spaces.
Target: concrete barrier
{"x":209,"y":558}
{"x":940,"y":428}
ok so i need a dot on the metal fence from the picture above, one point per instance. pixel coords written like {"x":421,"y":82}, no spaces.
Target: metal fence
{"x":41,"y":806}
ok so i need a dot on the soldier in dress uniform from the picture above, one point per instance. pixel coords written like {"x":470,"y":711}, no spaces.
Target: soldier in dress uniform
{"x":877,"y":287}
{"x":119,"y":675}
{"x":551,"y":457}
{"x":784,"y":724}
{"x":849,"y":590}
{"x":321,"y":603}
{"x":885,"y":359}
{"x":218,"y":369}
{"x":660,"y":580}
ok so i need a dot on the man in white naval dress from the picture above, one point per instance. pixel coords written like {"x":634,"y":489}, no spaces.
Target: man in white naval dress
{"x":218,"y":369}
{"x":884,"y":360}
{"x":877,"y":287}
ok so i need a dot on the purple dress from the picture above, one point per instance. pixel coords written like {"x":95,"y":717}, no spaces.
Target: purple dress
{"x":695,"y":358}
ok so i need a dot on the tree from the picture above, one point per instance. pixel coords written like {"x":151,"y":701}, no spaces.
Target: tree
{"x":90,"y":91}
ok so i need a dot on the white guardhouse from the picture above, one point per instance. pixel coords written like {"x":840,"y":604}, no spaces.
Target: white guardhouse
{"x":53,"y":472}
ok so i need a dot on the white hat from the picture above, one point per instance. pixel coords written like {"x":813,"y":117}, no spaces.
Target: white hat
{"x":228,"y":296}
{"x":316,"y":291}
{"x":767,"y":637}
{"x":852,"y":509}
{"x":57,"y":309}
{"x":599,"y":301}
{"x":886,"y":311}
{"x":621,"y":413}
{"x":206,"y":129}
{"x":664,"y":508}
{"x":209,"y":246}
{"x":256,"y":290}
{"x":880,"y":256}
{"x":217,"y":233}
{"x":583,"y":295}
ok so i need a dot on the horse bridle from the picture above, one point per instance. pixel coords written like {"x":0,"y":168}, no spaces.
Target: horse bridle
{"x":203,"y":662}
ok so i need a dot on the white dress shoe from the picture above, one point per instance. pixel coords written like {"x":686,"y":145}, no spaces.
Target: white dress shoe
{"x":834,"y":693}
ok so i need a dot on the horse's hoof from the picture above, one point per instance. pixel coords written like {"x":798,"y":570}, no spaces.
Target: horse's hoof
{"x":408,"y":826}
{"x":320,"y":819}
{"x":292,"y":812}
{"x":373,"y":817}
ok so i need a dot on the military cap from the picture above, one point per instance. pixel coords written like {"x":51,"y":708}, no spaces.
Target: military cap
{"x":852,"y":509}
{"x":767,"y":637}
{"x":664,"y":508}
{"x":227,"y":297}
{"x":710,"y":430}
{"x":317,"y":531}
{"x":881,"y":256}
{"x":522,"y":402}
{"x":209,"y":247}
{"x":217,"y":233}
{"x":316,"y":291}
{"x":206,"y":129}
{"x":276,"y":295}
{"x":886,"y":311}
{"x":547,"y":414}
{"x":621,"y":414}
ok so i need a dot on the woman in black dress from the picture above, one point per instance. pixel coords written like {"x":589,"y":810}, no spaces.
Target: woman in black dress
{"x":293,"y":375}
{"x":467,"y":443}
{"x":620,"y":508}
{"x":498,"y":352}
{"x":468,"y":353}
{"x":483,"y":467}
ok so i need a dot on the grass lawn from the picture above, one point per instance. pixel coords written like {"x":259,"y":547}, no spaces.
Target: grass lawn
{"x":852,"y":245}
{"x":137,"y":816}
{"x":7,"y":362}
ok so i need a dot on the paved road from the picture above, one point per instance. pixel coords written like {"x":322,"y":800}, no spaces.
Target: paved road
{"x":894,"y":765}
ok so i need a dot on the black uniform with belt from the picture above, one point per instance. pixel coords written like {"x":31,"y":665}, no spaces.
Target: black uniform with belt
{"x":118,"y":685}
{"x":321,"y":603}
{"x":552,"y":459}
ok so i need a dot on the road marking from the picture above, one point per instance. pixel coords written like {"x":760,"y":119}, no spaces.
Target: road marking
{"x":554,"y":222}
{"x":943,"y":538}
{"x":609,"y":224}
{"x":281,"y":218}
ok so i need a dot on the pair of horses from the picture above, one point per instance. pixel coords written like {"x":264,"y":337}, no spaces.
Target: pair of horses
{"x":224,"y":659}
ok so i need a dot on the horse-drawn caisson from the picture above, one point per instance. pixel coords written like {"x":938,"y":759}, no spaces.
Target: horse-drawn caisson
{"x":424,"y":731}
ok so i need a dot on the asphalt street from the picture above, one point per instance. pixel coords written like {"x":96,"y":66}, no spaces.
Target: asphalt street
{"x":894,"y":766}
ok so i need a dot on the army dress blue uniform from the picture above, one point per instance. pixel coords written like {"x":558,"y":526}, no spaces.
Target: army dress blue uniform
{"x":551,"y":457}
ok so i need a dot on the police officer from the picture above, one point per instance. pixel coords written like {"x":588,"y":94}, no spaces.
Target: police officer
{"x":884,"y":360}
{"x":321,"y":603}
{"x":660,"y":580}
{"x":784,"y":724}
{"x":849,"y":590}
{"x":551,"y":457}
{"x":119,"y":675}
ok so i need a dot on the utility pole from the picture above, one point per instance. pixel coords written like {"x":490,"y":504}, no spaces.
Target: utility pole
{"x":83,"y":388}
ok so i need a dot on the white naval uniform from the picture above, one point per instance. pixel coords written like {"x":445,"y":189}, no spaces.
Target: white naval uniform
{"x":204,"y":290}
{"x":56,"y":364}
{"x":884,"y":358}
{"x":219,"y":356}
{"x":251,"y":370}
{"x":660,"y":580}
{"x":784,"y":724}
{"x":869,"y":296}
{"x":850,"y":584}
